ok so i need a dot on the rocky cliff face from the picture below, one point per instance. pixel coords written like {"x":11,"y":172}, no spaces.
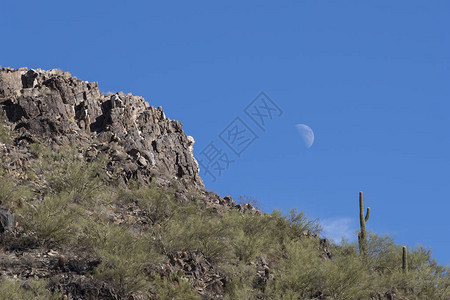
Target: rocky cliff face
{"x":56,"y":109}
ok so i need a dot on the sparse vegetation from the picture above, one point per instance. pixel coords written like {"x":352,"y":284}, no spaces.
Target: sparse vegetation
{"x":126,"y":259}
{"x":32,"y":289}
{"x":131,"y":231}
{"x":5,"y":136}
{"x":11,"y":195}
{"x":66,"y":171}
{"x":52,"y":220}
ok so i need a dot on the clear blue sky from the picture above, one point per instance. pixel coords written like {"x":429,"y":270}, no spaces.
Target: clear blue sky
{"x":370,"y":78}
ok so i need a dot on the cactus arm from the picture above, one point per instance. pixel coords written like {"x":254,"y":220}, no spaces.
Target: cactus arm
{"x":367,"y":214}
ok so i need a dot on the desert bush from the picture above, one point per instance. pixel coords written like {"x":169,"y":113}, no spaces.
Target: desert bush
{"x":212,"y":236}
{"x":297,"y":275}
{"x":243,"y":291}
{"x":240,"y":283}
{"x":424,"y":280}
{"x":126,"y":259}
{"x":384,"y":275}
{"x":158,"y":203}
{"x":292,"y":226}
{"x":191,"y":228}
{"x":38,"y":150}
{"x":67,"y":171}
{"x":430,"y":281}
{"x":53,"y":221}
{"x":5,"y":134}
{"x":12,"y":195}
{"x":174,"y":288}
{"x":231,"y":234}
{"x":419,"y":257}
{"x":346,"y":276}
{"x":250,"y":234}
{"x":299,"y":223}
{"x":383,"y":255}
{"x":32,"y":289}
{"x":304,"y":274}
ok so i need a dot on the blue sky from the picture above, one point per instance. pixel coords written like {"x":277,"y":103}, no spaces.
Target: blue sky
{"x":370,"y":79}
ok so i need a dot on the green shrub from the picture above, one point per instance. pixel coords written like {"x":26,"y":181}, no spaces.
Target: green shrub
{"x":38,"y":150}
{"x":5,"y":134}
{"x":346,"y":276}
{"x":66,"y":171}
{"x":383,"y":265}
{"x":297,"y":275}
{"x":304,"y":274}
{"x":126,"y":259}
{"x":424,"y":280}
{"x":240,"y":282}
{"x":174,"y":288}
{"x":32,"y":289}
{"x":383,"y":255}
{"x":250,"y":234}
{"x":53,"y":221}
{"x":12,"y":195}
{"x":158,"y":203}
{"x":292,"y":226}
{"x":192,"y":228}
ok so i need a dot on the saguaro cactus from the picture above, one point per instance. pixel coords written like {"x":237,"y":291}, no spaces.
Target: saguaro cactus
{"x":362,"y":236}
{"x":405,"y":260}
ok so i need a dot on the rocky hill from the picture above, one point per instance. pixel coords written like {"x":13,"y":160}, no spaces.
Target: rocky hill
{"x":100,"y":198}
{"x":57,"y":109}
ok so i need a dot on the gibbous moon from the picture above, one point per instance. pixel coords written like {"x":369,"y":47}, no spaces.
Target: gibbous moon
{"x":306,"y":133}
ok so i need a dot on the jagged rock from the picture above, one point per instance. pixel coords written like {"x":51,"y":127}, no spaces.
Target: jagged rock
{"x":263,"y":272}
{"x":56,"y":108}
{"x":206,"y":279}
{"x":325,"y":248}
{"x":228,"y":200}
{"x":6,"y":220}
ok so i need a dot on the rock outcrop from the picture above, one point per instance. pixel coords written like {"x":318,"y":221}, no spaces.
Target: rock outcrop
{"x":54,"y":108}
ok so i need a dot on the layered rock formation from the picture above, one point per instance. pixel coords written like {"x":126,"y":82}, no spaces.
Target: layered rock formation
{"x":56,"y":109}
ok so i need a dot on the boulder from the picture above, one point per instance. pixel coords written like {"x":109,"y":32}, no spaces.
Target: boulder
{"x":6,"y":220}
